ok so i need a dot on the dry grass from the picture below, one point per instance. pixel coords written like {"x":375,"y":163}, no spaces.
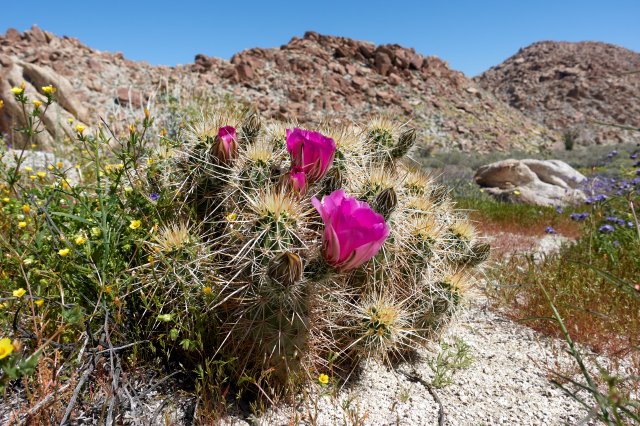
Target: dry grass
{"x":596,"y":312}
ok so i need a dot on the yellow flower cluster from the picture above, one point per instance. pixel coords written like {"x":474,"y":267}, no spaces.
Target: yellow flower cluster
{"x":48,"y":90}
{"x":19,"y":292}
{"x":6,"y":347}
{"x":19,"y":90}
{"x":135,"y":224}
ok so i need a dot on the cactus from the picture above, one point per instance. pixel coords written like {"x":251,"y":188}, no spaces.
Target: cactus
{"x":319,"y":247}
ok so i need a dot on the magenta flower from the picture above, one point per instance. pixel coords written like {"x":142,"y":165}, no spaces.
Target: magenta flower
{"x":353,"y":232}
{"x":298,"y":180}
{"x":226,"y":147}
{"x":311,"y":151}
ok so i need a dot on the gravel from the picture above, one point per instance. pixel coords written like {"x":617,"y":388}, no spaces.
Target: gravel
{"x":507,"y":384}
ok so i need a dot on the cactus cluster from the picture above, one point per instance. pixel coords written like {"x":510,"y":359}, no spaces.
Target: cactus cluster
{"x":312,"y":250}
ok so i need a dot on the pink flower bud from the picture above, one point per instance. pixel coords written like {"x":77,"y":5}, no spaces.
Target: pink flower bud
{"x":311,"y":151}
{"x":226,"y":144}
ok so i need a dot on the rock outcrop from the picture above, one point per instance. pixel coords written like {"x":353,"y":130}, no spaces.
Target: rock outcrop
{"x":313,"y":79}
{"x":539,"y":182}
{"x":573,"y":88}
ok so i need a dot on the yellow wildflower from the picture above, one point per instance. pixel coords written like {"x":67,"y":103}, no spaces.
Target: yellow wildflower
{"x":6,"y":199}
{"x":146,"y":113}
{"x":516,"y":192}
{"x":207,"y":290}
{"x":39,"y":302}
{"x":26,"y":209}
{"x":132,"y":128}
{"x":323,"y":379}
{"x":1,"y":103}
{"x":231,"y":217}
{"x":32,"y":177}
{"x":135,"y":224}
{"x":36,"y":103}
{"x":42,"y":175}
{"x":19,"y":292}
{"x":80,"y":240}
{"x":22,"y":224}
{"x":50,"y":167}
{"x":63,"y":252}
{"x":17,"y":90}
{"x":49,"y":90}
{"x":28,"y":169}
{"x":80,"y":128}
{"x":59,"y":164}
{"x":149,"y":161}
{"x":6,"y":347}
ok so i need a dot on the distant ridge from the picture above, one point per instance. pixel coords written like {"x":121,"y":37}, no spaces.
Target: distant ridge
{"x":313,"y":78}
{"x":568,"y":86}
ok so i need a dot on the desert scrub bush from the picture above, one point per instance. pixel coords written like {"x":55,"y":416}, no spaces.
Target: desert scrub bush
{"x":245,"y":252}
{"x":70,"y":232}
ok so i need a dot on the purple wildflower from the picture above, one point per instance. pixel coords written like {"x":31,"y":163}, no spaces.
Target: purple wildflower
{"x":154,"y":196}
{"x":550,"y":230}
{"x":606,"y":228}
{"x":579,"y":217}
{"x":559,"y":209}
{"x":634,"y":156}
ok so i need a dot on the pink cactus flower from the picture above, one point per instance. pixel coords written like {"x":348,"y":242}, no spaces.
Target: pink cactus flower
{"x":298,"y":180}
{"x":311,"y":151}
{"x":353,"y":232}
{"x":226,"y":147}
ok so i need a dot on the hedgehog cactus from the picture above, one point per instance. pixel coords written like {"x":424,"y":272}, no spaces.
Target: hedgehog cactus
{"x":326,"y":246}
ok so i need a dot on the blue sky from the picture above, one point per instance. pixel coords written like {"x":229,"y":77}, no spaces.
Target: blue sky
{"x":471,"y":35}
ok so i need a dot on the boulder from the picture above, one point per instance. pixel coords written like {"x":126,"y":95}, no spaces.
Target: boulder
{"x":34,"y":76}
{"x":539,"y":182}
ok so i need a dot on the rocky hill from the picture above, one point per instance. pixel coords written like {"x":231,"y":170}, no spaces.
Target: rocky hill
{"x":569,"y":86}
{"x":313,"y":78}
